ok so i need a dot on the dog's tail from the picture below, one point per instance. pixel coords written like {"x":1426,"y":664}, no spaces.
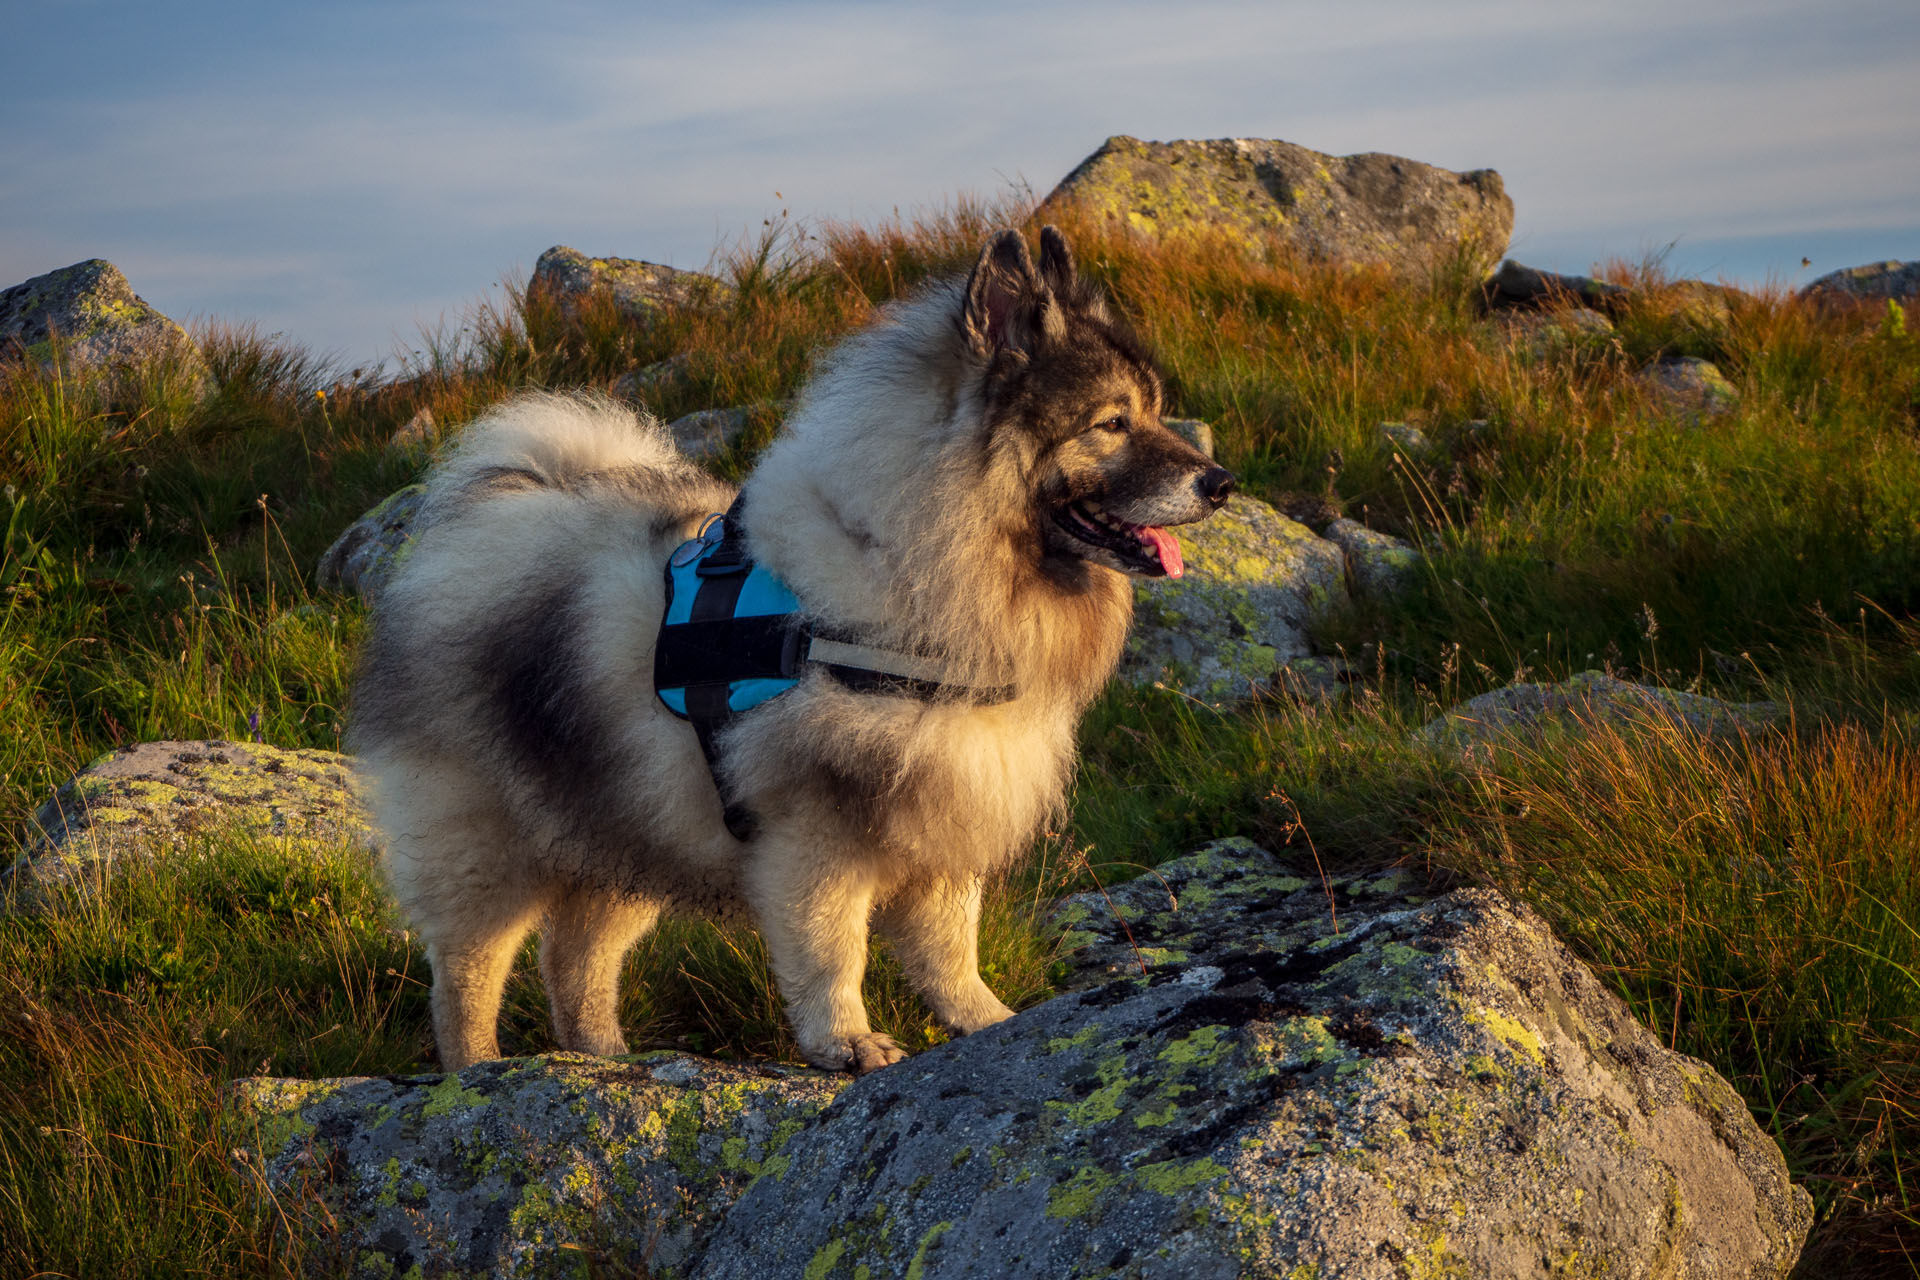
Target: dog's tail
{"x":542,"y":440}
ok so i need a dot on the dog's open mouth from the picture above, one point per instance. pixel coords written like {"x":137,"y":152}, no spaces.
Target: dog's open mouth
{"x":1144,"y":548}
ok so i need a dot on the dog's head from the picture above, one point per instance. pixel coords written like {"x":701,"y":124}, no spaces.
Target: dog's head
{"x":1072,"y":393}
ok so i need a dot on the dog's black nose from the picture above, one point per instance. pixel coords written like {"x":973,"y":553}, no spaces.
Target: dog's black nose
{"x":1215,"y":483}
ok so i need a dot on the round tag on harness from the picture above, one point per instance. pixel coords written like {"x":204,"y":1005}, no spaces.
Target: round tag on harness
{"x":695,"y":547}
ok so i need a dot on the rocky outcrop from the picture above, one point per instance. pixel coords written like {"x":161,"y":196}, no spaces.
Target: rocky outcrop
{"x":1258,"y":1073}
{"x":99,"y":321}
{"x":1369,"y":208}
{"x":1872,"y":282}
{"x":1689,"y":388}
{"x":1523,"y":712}
{"x":159,"y":792}
{"x":1255,"y":582}
{"x":365,"y":555}
{"x":639,"y":289}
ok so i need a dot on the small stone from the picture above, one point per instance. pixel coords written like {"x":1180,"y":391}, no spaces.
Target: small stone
{"x":1522,"y":712}
{"x":643,"y":290}
{"x":1407,"y":438}
{"x":1193,"y":431}
{"x":639,"y":386}
{"x":705,"y":434}
{"x":1379,"y":565}
{"x":363,"y":557}
{"x":417,"y":435}
{"x":1255,"y":583}
{"x":1688,"y":386}
{"x":1546,"y":333}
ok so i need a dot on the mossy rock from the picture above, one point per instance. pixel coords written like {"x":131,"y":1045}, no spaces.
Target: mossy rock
{"x":365,"y":555}
{"x":1255,"y":583}
{"x":152,"y":794}
{"x":531,"y":1167}
{"x":1271,"y":1075}
{"x":1371,"y":208}
{"x":640,"y":289}
{"x":92,"y":316}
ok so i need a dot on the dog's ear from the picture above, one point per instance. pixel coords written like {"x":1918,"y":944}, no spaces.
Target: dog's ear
{"x":1056,"y":262}
{"x":1007,"y":305}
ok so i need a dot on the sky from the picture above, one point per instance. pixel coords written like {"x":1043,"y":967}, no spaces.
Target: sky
{"x":352,"y":173}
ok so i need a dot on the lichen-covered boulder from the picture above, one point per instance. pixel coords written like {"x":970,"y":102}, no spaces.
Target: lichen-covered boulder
{"x":639,"y":289}
{"x":1379,"y":565}
{"x":156,"y":792}
{"x":531,"y":1167}
{"x":1523,"y":712}
{"x":365,"y":555}
{"x":1689,"y":387}
{"x":1255,"y":582}
{"x":1369,"y":208}
{"x":101,"y":322}
{"x":1434,"y":1087}
{"x":1871,"y":282}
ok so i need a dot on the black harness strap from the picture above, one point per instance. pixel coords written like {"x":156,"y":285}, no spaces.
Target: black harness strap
{"x":722,"y":574}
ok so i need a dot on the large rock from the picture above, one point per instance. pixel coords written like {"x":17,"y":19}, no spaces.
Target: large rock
{"x":1523,"y":712}
{"x":1873,"y":282}
{"x":1363,"y":208}
{"x":156,"y":792}
{"x":1437,"y":1088}
{"x":640,"y":289}
{"x":1379,"y":565}
{"x":101,"y":322}
{"x":365,"y":555}
{"x":1255,"y":582}
{"x":532,"y":1167}
{"x":1262,"y":1074}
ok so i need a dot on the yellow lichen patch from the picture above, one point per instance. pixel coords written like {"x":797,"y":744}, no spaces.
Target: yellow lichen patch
{"x":448,"y":1094}
{"x":1075,"y":1198}
{"x":1172,"y":1176}
{"x":1200,"y":1048}
{"x":1507,"y":1029}
{"x":917,"y":1268}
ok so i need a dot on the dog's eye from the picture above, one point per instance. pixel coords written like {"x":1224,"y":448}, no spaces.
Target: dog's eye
{"x":1116,"y":423}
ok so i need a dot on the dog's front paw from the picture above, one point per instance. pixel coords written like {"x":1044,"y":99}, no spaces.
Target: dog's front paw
{"x":859,"y":1053}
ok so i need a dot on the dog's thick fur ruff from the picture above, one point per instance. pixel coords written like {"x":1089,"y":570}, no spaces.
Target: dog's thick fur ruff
{"x":922,"y":498}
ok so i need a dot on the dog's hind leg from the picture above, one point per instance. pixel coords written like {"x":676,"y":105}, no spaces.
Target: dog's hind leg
{"x":812,"y":911}
{"x":586,"y":935}
{"x":471,"y":958}
{"x":935,"y":930}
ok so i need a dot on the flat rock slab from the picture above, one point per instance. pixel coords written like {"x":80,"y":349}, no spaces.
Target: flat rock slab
{"x":367,"y":552}
{"x":1438,"y":1088}
{"x":532,"y":1167}
{"x":156,"y":792}
{"x":642,"y":290}
{"x":1522,"y":712}
{"x":1369,"y":208}
{"x":1255,"y":582}
{"x":100,"y":320}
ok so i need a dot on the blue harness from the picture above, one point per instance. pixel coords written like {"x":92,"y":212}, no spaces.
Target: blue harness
{"x":734,"y":636}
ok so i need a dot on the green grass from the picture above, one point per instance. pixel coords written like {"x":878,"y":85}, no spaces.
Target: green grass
{"x":1754,"y":903}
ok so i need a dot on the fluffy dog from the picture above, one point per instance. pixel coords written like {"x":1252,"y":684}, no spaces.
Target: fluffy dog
{"x":972,"y":480}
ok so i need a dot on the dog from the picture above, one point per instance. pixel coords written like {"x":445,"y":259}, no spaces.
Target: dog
{"x":972,"y":480}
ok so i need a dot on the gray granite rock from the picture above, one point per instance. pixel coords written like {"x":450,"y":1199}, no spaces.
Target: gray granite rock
{"x":1379,"y":565}
{"x":1433,"y":1086}
{"x":639,"y":289}
{"x":705,"y":434}
{"x":1517,"y":285}
{"x":152,"y":793}
{"x":1255,"y":582}
{"x":531,"y":1167}
{"x":1871,"y":282}
{"x":363,"y":557}
{"x":1363,"y":208}
{"x":101,"y":322}
{"x":1405,"y":437}
{"x":1521,"y":712}
{"x":1690,"y":388}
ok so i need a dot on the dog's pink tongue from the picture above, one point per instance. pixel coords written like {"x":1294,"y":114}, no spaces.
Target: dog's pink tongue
{"x":1168,"y":547}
